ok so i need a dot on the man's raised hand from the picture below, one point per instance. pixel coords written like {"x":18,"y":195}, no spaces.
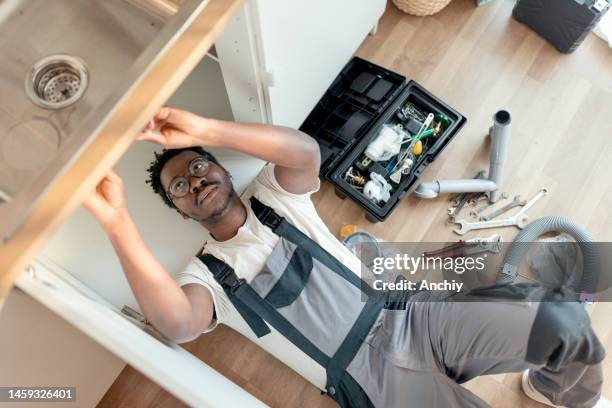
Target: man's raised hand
{"x":175,"y":128}
{"x":107,"y":201}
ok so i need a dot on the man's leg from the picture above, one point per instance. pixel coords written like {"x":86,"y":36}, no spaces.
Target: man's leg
{"x":490,"y":330}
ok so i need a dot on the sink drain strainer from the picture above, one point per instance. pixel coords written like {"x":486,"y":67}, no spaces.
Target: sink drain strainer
{"x":57,"y":81}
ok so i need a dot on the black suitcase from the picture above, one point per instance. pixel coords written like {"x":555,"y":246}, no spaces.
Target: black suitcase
{"x":350,"y":115}
{"x":564,"y":23}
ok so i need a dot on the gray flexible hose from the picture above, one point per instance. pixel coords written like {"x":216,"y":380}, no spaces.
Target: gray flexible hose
{"x":533,"y":230}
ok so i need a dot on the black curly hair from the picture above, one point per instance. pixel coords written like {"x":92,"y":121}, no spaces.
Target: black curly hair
{"x":156,"y":166}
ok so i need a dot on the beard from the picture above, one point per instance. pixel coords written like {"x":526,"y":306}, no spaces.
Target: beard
{"x":224,"y":201}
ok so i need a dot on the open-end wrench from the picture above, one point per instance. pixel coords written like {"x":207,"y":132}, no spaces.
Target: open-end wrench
{"x":456,"y":202}
{"x":475,"y":200}
{"x":457,"y":199}
{"x":477,"y":211}
{"x":515,"y":203}
{"x":455,"y":210}
{"x":519,"y":219}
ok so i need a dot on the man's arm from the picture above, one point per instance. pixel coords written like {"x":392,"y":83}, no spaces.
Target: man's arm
{"x":295,"y":154}
{"x":177,"y":313}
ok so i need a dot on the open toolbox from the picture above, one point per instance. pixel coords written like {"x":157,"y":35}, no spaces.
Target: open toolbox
{"x":377,"y":132}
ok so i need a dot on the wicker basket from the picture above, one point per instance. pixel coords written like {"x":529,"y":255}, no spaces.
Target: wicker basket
{"x":421,"y":7}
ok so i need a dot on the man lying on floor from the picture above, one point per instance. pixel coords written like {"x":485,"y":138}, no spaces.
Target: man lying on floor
{"x":272,"y":270}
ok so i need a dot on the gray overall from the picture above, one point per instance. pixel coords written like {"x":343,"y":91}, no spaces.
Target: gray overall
{"x":415,"y":350}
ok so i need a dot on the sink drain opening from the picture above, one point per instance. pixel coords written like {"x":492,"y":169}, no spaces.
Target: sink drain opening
{"x":57,"y":81}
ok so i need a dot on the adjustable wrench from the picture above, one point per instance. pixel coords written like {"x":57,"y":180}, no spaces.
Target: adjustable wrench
{"x":466,"y":248}
{"x":515,"y":203}
{"x":519,"y":219}
{"x":496,"y":238}
{"x":491,"y":244}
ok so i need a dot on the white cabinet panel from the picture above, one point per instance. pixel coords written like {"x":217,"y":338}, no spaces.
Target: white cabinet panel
{"x":241,"y":67}
{"x":37,"y":347}
{"x":178,"y":371}
{"x":304,"y":45}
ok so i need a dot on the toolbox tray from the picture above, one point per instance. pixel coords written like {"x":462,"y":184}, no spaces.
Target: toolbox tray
{"x":330,"y":121}
{"x":412,"y":92}
{"x":341,"y":148}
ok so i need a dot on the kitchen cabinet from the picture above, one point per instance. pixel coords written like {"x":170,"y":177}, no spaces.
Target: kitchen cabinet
{"x":275,"y":60}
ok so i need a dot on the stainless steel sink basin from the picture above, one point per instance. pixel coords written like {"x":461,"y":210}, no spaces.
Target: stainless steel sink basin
{"x":64,"y":65}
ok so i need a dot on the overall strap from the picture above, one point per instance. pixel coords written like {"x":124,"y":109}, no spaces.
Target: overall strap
{"x":266,"y":215}
{"x":254,"y":309}
{"x":281,"y":227}
{"x":349,"y":347}
{"x":229,"y":281}
{"x":258,"y":312}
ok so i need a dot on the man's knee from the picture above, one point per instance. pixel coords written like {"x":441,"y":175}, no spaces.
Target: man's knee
{"x":562,"y":333}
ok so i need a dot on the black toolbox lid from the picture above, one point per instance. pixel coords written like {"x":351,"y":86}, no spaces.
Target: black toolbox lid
{"x":353,"y":102}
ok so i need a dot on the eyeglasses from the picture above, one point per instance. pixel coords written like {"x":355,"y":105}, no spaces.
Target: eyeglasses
{"x":179,"y":186}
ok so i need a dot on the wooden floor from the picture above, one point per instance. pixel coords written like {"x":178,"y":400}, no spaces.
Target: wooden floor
{"x":478,"y":60}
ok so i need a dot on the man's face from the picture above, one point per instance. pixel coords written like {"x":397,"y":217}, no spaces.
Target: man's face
{"x":208,"y":196}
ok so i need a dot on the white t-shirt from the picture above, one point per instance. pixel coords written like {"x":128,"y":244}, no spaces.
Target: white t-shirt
{"x":247,"y":252}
